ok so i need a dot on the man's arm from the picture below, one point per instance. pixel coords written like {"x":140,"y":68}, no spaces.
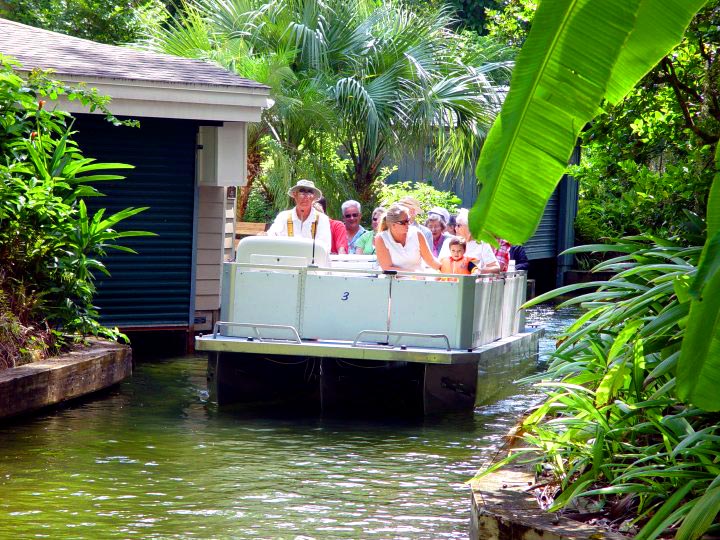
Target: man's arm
{"x":519,"y":255}
{"x":488,"y":260}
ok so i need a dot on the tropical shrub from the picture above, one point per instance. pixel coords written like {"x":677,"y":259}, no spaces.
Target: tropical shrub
{"x":50,"y":247}
{"x":618,"y":438}
{"x":105,"y":21}
{"x":648,"y":158}
{"x":259,"y":209}
{"x":633,"y":399}
{"x":378,"y":77}
{"x":424,"y":192}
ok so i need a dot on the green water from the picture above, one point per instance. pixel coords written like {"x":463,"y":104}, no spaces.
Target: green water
{"x":152,"y":459}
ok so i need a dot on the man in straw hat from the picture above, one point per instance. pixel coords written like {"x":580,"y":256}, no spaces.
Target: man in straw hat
{"x":303,"y":221}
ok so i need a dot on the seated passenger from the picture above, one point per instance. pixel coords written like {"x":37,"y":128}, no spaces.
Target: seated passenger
{"x":437,"y":224}
{"x":366,"y":243}
{"x":339,"y":241}
{"x":352,"y":214}
{"x":303,"y":220}
{"x":457,"y":262}
{"x":451,"y":224}
{"x":506,"y":252}
{"x":400,"y":246}
{"x":487,"y":263}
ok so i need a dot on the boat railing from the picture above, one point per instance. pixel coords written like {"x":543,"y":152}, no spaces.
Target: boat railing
{"x":398,"y":335}
{"x":256,"y":329}
{"x":323,"y":303}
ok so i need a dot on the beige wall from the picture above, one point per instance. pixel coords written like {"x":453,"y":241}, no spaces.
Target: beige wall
{"x":215,"y":235}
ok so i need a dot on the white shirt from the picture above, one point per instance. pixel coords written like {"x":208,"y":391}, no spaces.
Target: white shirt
{"x":475,"y":250}
{"x":406,"y":257}
{"x":303,"y":229}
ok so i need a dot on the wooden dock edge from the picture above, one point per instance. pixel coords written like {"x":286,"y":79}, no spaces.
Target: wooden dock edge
{"x":82,"y":371}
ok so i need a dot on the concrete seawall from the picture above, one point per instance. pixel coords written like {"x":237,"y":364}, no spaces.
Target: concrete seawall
{"x":503,"y":508}
{"x":71,"y":375}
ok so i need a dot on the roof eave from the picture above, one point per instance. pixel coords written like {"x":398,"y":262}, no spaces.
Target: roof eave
{"x":139,"y":98}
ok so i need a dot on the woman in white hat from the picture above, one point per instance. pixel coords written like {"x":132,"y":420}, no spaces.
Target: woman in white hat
{"x":303,"y":221}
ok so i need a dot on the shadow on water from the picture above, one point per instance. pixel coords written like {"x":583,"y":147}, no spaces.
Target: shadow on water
{"x":152,"y":458}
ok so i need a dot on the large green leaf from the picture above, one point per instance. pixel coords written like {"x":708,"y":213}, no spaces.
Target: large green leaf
{"x":698,"y":372}
{"x":578,"y":53}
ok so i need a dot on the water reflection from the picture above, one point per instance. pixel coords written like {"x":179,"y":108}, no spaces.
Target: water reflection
{"x":152,"y":459}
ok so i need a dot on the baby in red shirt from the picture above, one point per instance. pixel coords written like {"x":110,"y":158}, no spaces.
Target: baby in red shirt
{"x":457,"y":262}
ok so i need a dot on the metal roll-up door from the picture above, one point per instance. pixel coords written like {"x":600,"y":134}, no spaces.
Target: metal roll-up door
{"x":543,"y":244}
{"x":154,"y":287}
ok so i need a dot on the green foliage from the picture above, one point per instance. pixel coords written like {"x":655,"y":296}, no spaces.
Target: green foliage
{"x":548,"y":104}
{"x":105,"y":21}
{"x":613,"y":427}
{"x":49,"y":245}
{"x":377,"y":77}
{"x":259,"y":209}
{"x":650,"y":158}
{"x":510,"y":22}
{"x":424,"y":192}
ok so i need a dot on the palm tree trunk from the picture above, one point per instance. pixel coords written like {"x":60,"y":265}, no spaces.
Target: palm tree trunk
{"x":367,"y":169}
{"x":254,"y":159}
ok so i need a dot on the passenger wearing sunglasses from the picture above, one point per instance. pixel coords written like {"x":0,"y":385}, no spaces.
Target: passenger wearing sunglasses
{"x":487,"y":263}
{"x":352,"y":213}
{"x":303,"y":220}
{"x":366,"y":244}
{"x":401,"y":246}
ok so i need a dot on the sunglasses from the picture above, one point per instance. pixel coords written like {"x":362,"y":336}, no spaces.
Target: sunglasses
{"x":305,"y":191}
{"x":403,"y":222}
{"x":352,"y":215}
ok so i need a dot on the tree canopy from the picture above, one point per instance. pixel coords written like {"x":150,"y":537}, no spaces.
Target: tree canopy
{"x":377,"y":78}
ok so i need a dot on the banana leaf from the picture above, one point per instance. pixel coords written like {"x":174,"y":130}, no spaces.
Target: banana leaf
{"x":698,"y":370}
{"x":578,"y":53}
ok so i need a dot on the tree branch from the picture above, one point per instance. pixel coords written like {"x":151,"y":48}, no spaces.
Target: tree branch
{"x":669,"y":70}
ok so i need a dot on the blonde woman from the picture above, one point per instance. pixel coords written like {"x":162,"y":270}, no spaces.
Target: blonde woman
{"x":400,"y":246}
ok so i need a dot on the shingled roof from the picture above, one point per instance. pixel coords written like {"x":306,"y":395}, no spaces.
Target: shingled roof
{"x":76,"y":57}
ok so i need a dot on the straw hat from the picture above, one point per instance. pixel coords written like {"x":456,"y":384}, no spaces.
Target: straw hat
{"x":307,"y":184}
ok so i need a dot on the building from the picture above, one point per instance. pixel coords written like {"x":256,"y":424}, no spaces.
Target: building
{"x":189,"y":152}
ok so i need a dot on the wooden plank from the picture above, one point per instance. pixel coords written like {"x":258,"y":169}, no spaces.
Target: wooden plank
{"x":246,"y":228}
{"x":207,"y":303}
{"x":210,"y":224}
{"x":208,"y":256}
{"x":207,"y":287}
{"x":212,"y":194}
{"x":211,"y":209}
{"x":208,"y":271}
{"x":210,"y":241}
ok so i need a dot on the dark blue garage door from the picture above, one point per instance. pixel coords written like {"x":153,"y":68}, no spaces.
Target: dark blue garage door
{"x":154,"y":287}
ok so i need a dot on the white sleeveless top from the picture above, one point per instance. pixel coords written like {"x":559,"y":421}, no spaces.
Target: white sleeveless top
{"x":406,"y":257}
